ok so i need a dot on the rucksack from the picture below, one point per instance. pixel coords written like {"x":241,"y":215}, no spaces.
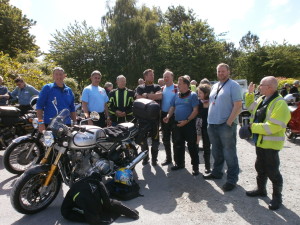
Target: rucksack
{"x":123,"y":192}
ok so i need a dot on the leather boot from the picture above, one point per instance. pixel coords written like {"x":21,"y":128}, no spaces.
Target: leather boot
{"x":276,"y":197}
{"x":260,"y":190}
{"x":207,"y":163}
{"x":122,"y":209}
{"x":154,"y":154}
{"x":168,"y":156}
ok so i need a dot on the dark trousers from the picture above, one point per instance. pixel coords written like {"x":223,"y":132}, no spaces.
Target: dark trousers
{"x":154,"y":134}
{"x":206,"y":147}
{"x":187,"y":134}
{"x":167,"y":132}
{"x":267,"y":166}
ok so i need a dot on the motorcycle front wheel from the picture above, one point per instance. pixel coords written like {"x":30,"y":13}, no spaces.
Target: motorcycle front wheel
{"x":28,"y":196}
{"x":20,"y":156}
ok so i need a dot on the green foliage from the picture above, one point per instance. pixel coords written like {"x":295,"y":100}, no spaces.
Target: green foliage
{"x":79,"y":50}
{"x":14,"y":30}
{"x":283,"y":80}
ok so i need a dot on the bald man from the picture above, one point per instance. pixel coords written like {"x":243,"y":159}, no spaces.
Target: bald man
{"x":270,"y":115}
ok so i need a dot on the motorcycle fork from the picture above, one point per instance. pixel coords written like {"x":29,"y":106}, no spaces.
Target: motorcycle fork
{"x":45,"y":158}
{"x":54,"y":166}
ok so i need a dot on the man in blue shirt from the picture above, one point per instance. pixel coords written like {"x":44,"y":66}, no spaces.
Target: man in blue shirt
{"x":185,"y":107}
{"x":23,"y":92}
{"x":225,"y":103}
{"x":168,"y":92}
{"x":94,"y":98}
{"x":3,"y":93}
{"x":53,"y":98}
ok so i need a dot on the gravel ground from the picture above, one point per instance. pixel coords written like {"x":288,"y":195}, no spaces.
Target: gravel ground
{"x":177,"y":197}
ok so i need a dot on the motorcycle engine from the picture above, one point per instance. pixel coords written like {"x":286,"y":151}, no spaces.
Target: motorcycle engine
{"x":86,"y":162}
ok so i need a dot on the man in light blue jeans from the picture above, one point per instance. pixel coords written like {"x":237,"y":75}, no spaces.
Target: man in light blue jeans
{"x":225,"y":103}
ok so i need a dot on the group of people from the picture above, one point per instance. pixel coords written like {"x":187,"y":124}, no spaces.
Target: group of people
{"x":287,"y":89}
{"x":209,"y":112}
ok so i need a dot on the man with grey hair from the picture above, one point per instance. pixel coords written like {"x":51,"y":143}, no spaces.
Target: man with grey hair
{"x":120,"y":102}
{"x":53,"y":98}
{"x":94,"y":98}
{"x":295,"y":87}
{"x":108,"y":86}
{"x":3,"y":93}
{"x":269,"y":117}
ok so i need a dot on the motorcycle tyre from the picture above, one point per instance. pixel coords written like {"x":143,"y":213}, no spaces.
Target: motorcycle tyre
{"x":15,"y":194}
{"x":10,"y":149}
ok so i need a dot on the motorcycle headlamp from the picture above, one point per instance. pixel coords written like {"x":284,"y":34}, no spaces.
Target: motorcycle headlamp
{"x":35,"y":123}
{"x":48,"y":138}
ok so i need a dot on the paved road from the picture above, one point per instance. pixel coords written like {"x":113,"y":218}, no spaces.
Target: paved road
{"x":179,"y":198}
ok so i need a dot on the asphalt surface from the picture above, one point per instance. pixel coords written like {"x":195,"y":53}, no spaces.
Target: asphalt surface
{"x":177,"y":197}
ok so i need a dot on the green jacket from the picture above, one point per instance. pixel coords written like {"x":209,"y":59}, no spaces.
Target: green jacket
{"x":121,"y":100}
{"x":271,"y":132}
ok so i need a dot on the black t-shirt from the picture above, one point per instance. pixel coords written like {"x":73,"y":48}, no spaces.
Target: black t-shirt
{"x":202,"y":113}
{"x":149,"y":89}
{"x":294,"y":90}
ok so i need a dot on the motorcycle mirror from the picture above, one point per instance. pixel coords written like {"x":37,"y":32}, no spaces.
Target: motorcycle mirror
{"x":94,"y":116}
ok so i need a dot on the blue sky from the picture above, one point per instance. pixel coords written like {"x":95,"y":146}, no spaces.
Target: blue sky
{"x":271,"y":20}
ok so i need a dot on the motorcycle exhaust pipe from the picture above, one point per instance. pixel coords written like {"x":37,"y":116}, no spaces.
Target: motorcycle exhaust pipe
{"x":139,"y":158}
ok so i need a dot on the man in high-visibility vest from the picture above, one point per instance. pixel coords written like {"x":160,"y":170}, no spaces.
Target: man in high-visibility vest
{"x":270,"y":115}
{"x":120,"y":102}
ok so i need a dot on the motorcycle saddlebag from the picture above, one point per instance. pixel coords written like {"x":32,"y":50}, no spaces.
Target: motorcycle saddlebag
{"x":145,"y":109}
{"x":10,"y":111}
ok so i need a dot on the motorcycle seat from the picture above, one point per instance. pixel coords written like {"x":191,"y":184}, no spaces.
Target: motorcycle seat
{"x":128,"y":125}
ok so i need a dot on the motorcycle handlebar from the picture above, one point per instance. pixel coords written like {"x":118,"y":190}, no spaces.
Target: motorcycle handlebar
{"x":82,"y":129}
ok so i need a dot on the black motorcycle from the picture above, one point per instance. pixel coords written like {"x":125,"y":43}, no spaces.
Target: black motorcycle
{"x":13,"y":124}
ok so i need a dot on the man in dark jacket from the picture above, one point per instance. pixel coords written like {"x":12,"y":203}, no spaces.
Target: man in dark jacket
{"x":88,"y":201}
{"x":120,"y":102}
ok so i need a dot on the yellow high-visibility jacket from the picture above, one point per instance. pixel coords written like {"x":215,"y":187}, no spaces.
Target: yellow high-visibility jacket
{"x":271,"y":131}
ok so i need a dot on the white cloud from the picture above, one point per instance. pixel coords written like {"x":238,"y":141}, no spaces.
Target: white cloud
{"x":278,"y":3}
{"x":280,"y":33}
{"x":24,"y":5}
{"x":268,"y":21}
{"x":219,"y":14}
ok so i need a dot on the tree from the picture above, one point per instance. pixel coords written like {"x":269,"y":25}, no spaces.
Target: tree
{"x":189,"y":46}
{"x":14,"y":30}
{"x":249,"y":42}
{"x":132,"y":39}
{"x":79,"y":50}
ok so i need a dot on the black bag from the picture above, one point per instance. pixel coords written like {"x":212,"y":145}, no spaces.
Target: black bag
{"x":123,"y":192}
{"x":146,"y":109}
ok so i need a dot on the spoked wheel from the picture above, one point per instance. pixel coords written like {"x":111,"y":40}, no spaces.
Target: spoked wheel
{"x":28,"y":196}
{"x":20,"y":156}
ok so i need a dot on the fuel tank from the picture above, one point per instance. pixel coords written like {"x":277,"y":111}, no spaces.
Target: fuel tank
{"x":82,"y":140}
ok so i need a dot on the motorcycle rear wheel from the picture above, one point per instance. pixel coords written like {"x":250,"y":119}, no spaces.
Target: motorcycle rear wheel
{"x":20,"y":156}
{"x":27,"y":196}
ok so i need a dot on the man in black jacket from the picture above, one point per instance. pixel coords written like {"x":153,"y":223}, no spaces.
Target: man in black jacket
{"x":120,"y":102}
{"x":88,"y":201}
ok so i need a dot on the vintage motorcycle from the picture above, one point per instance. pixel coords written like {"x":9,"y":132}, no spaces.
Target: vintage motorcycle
{"x":73,"y":153}
{"x":28,"y":150}
{"x":13,"y":124}
{"x":24,"y":151}
{"x":293,"y":127}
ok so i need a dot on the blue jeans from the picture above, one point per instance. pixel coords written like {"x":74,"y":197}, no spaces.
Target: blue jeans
{"x":223,"y":140}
